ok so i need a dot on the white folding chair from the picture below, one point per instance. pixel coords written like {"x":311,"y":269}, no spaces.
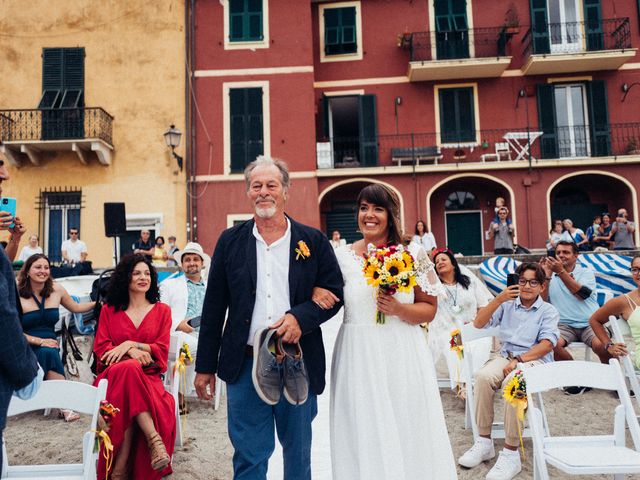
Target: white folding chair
{"x":620,"y":328}
{"x":470,"y":333}
{"x":582,"y":455}
{"x":502,"y":150}
{"x":76,"y":396}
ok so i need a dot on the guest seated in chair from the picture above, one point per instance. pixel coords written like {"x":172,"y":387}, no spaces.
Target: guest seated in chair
{"x":528,"y":331}
{"x":572,"y":290}
{"x":132,"y":345}
{"x":40,"y":298}
{"x":185,"y":296}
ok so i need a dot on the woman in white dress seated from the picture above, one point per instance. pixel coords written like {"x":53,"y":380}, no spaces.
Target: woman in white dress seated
{"x":463,"y":295}
{"x":386,"y":415}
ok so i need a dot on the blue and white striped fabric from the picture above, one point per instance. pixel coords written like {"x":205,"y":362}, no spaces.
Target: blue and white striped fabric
{"x":611,"y":270}
{"x":612,"y":273}
{"x":494,"y":272}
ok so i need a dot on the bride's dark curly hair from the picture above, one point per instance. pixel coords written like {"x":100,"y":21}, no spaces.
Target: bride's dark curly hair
{"x":386,"y":198}
{"x":118,"y":292}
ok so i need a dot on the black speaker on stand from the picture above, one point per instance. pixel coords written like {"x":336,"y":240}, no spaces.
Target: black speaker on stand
{"x":115,"y":224}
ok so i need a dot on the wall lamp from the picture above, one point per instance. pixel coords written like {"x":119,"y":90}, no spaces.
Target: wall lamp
{"x":625,"y":87}
{"x":172,"y":137}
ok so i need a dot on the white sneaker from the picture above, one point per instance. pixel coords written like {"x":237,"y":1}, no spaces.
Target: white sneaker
{"x":507,"y":466}
{"x":481,"y":451}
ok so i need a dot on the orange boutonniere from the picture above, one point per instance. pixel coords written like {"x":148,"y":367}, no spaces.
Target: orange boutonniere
{"x":302,"y":251}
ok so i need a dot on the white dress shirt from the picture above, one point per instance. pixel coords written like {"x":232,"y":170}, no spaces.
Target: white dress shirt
{"x":272,"y":281}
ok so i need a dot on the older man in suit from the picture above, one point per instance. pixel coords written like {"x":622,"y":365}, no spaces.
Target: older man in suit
{"x":258,"y":273}
{"x":18,"y":364}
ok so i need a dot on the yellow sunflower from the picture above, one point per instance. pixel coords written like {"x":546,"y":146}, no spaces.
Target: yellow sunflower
{"x":394,"y":266}
{"x":407,"y":283}
{"x":372,"y":274}
{"x":513,"y":392}
{"x":408,"y":260}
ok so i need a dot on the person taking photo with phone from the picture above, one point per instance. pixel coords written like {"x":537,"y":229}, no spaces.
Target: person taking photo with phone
{"x":528,"y":331}
{"x":622,"y":232}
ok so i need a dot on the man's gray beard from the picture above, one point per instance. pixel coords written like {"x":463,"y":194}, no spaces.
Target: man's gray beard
{"x":266,"y":212}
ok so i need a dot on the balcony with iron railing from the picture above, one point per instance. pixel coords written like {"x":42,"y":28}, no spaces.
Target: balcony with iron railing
{"x":32,"y":131}
{"x":506,"y":148}
{"x":465,"y":53}
{"x":577,"y":46}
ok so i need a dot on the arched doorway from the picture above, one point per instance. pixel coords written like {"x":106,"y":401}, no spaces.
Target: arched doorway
{"x":338,"y":208}
{"x":584,"y":196}
{"x":461,"y":210}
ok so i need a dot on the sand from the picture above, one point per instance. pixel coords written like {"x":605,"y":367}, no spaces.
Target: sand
{"x":33,"y":438}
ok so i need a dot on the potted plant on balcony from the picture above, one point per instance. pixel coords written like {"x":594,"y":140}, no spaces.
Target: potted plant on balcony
{"x":633,"y":147}
{"x":404,"y":39}
{"x":511,"y":21}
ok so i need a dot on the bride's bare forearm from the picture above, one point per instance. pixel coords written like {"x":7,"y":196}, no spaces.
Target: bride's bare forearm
{"x":416,"y":313}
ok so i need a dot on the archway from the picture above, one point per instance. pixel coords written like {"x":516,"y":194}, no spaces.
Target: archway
{"x":582,"y":196}
{"x":461,"y":210}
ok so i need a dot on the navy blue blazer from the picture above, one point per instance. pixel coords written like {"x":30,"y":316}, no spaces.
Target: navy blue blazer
{"x":18,"y":363}
{"x":232,"y":285}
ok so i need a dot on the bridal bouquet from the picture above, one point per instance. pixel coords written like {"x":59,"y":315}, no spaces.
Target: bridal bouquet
{"x":389,"y":270}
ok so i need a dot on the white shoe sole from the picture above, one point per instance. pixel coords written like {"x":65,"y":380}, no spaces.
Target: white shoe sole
{"x":254,"y":369}
{"x":486,"y":459}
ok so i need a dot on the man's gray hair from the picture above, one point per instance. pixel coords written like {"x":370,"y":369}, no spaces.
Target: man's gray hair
{"x":263,"y":160}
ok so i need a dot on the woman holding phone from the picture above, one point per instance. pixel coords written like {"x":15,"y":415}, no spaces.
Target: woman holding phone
{"x":132,"y":345}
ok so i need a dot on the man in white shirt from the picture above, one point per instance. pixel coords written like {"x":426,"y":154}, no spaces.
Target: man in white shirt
{"x":185,"y":295}
{"x":74,"y":250}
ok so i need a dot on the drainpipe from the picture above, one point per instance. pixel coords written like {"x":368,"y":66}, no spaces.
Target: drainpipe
{"x":527,"y":182}
{"x":189,"y":28}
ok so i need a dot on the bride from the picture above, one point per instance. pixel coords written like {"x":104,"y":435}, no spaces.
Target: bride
{"x":386,"y":416}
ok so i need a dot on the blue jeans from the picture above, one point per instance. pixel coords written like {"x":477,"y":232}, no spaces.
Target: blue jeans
{"x":252,"y":432}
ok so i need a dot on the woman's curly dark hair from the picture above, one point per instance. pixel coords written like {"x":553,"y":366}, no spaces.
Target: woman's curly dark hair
{"x":118,"y":292}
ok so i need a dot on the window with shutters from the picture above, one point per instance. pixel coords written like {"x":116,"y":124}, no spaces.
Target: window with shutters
{"x":59,"y":211}
{"x":340,"y":31}
{"x":246,"y":24}
{"x":457,"y":114}
{"x":246,"y":136}
{"x":62,"y":98}
{"x":452,"y":29}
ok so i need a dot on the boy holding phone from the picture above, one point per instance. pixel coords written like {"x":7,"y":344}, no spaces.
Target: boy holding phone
{"x":528,"y":331}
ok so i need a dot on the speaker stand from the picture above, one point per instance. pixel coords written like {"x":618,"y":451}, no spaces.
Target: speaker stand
{"x":115,"y":251}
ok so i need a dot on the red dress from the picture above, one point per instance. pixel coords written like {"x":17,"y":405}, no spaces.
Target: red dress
{"x":133,"y":390}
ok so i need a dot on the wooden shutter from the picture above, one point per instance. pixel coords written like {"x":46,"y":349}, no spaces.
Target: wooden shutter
{"x":245,"y":20}
{"x":368,"y":127}
{"x":598,"y":119}
{"x":340,"y":34}
{"x":593,"y":25}
{"x":539,"y":26}
{"x":51,"y":78}
{"x":246,"y":126}
{"x":457,"y":115}
{"x":547,"y":121}
{"x":452,"y":38}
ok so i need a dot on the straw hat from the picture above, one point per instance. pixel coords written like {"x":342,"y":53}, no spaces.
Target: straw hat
{"x":192,"y":247}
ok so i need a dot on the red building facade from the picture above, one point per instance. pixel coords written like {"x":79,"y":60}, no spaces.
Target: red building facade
{"x":451,"y":103}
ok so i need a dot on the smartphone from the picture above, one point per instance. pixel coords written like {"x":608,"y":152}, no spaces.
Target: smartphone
{"x":194,"y":322}
{"x":512,"y":279}
{"x":8,"y":204}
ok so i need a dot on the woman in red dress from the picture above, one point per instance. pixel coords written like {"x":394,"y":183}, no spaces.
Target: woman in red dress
{"x":132,"y":343}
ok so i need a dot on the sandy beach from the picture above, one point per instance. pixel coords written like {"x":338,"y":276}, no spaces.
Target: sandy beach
{"x":33,"y":438}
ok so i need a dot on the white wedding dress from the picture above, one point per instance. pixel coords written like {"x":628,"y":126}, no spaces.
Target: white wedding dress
{"x":386,"y":421}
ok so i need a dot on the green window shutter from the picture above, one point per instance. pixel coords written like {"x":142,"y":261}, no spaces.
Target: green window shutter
{"x":593,"y":25}
{"x":246,"y":126}
{"x":452,"y":29}
{"x":245,"y":21}
{"x":539,"y":26}
{"x":598,"y":119}
{"x":368,"y":127}
{"x":547,"y":121}
{"x":73,"y":77}
{"x":457,"y":115}
{"x":51,"y":78}
{"x":340,"y":35}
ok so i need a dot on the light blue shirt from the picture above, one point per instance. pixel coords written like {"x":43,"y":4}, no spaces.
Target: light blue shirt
{"x":521,"y":328}
{"x":195,"y":298}
{"x":574,"y":311}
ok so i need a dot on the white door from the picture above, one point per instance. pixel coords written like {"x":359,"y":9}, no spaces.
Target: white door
{"x":564,"y":26}
{"x":573,"y":128}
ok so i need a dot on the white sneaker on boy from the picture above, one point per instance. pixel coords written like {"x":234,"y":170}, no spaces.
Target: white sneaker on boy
{"x":481,"y":451}
{"x":507,"y":466}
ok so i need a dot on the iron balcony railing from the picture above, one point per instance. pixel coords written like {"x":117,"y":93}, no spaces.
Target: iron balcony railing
{"x":459,"y":44}
{"x":55,"y":124}
{"x":517,"y":144}
{"x":571,"y":37}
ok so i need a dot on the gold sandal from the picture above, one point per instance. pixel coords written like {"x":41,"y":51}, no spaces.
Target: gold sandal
{"x":158,"y":452}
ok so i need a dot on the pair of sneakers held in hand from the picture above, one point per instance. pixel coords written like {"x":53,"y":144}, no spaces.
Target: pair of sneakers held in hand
{"x":278,"y":368}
